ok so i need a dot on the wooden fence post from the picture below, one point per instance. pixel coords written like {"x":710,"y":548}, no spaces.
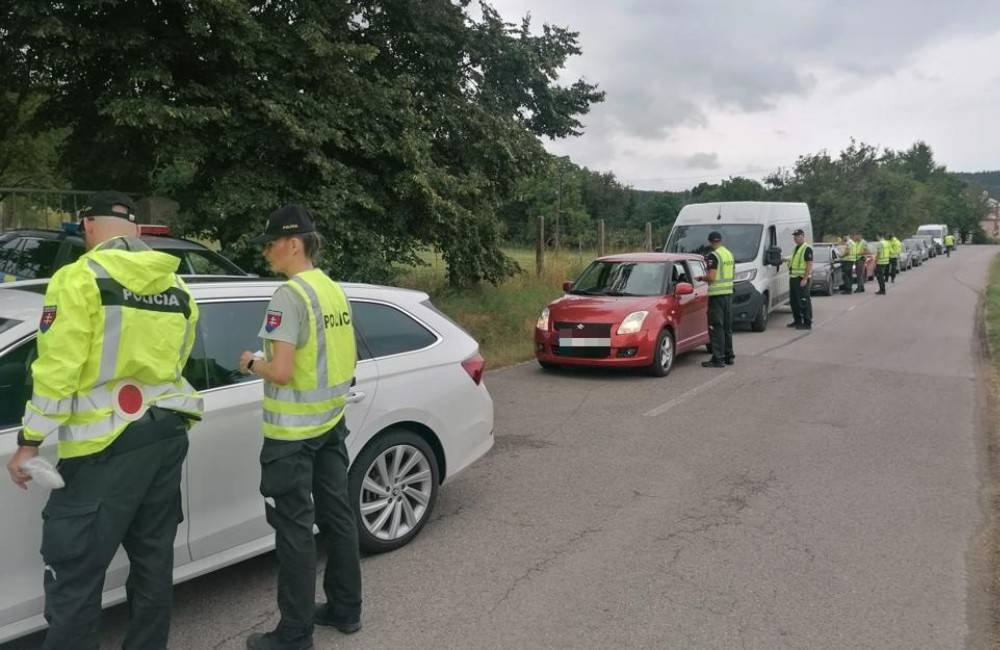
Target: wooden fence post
{"x":600,"y":238}
{"x":540,"y":247}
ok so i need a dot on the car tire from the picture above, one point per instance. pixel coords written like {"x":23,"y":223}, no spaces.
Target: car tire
{"x":759,"y":323}
{"x":382,"y":529}
{"x":663,"y":357}
{"x":548,"y":365}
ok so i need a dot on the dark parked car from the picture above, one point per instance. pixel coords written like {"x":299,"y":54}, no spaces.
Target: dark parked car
{"x":38,"y":253}
{"x":827,"y":274}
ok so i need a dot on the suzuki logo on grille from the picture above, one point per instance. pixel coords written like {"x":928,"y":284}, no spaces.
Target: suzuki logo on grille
{"x":580,"y":326}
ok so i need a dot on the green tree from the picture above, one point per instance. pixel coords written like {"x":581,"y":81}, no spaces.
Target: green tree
{"x":403,"y":125}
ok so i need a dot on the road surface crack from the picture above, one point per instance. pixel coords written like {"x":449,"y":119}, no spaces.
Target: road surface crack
{"x":542,"y":565}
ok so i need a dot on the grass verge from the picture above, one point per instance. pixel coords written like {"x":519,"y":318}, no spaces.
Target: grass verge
{"x":991,"y":322}
{"x":501,"y":318}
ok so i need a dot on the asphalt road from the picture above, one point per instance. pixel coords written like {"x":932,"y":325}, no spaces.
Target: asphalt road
{"x":827,"y":491}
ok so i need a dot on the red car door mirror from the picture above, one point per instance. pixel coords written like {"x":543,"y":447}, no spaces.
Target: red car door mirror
{"x":567,"y":286}
{"x":683,"y":289}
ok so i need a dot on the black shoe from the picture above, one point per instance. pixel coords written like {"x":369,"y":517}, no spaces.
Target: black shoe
{"x":713,"y":364}
{"x":730,"y":361}
{"x":880,"y":293}
{"x":803,"y":326}
{"x":324,"y":616}
{"x":859,"y":291}
{"x":273,"y":641}
{"x":793,"y":324}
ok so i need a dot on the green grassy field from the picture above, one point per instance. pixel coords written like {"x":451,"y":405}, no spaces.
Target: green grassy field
{"x":501,"y":318}
{"x":993,"y":311}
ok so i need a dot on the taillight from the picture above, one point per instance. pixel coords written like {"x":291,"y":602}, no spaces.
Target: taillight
{"x":475,"y":365}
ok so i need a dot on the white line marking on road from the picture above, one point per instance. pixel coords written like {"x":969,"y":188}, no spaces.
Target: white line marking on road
{"x":666,"y":406}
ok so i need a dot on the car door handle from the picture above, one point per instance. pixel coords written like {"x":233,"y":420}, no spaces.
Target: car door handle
{"x":355,"y":397}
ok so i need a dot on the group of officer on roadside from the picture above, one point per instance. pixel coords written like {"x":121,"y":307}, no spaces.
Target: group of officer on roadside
{"x":853,"y":250}
{"x":122,"y":409}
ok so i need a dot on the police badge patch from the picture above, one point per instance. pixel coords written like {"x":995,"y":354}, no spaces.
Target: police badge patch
{"x":271,"y":322}
{"x":48,"y":317}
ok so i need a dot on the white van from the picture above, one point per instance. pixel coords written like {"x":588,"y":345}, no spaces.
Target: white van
{"x":758,"y":234}
{"x":935,"y":230}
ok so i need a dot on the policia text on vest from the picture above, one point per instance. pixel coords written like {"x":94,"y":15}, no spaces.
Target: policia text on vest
{"x":121,"y":408}
{"x":308,"y":370}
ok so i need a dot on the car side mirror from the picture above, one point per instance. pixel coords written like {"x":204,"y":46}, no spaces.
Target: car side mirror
{"x":773,"y":256}
{"x":683,"y":289}
{"x":567,"y":286}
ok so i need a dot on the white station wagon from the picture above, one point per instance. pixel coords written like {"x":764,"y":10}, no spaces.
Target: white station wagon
{"x":418,"y":414}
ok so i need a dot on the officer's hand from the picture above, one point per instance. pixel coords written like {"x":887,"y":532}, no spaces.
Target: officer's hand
{"x":18,"y":475}
{"x":244,"y":360}
{"x":803,"y":283}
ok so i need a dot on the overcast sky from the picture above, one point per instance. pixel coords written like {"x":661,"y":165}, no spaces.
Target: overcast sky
{"x":703,"y":90}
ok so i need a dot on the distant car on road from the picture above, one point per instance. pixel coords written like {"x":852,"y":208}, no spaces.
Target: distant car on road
{"x":932,"y":249}
{"x":869,"y":260}
{"x":418,"y":413}
{"x":32,"y":254}
{"x":827,"y":274}
{"x":918,"y":250}
{"x":637,"y":310}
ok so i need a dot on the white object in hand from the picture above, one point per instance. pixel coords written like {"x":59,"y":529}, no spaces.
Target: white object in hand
{"x":259,"y":354}
{"x":43,"y":473}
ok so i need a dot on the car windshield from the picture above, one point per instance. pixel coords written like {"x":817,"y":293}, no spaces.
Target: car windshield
{"x":743,"y":241}
{"x":821,"y":253}
{"x":603,"y":278}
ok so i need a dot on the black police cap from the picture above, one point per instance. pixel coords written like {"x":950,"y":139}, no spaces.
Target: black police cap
{"x":715,"y":235}
{"x":288,"y":220}
{"x":108,"y":204}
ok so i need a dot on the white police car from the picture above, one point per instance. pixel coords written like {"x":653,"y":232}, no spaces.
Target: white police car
{"x":418,"y":414}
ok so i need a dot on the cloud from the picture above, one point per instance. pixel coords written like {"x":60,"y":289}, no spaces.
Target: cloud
{"x":702,"y":160}
{"x":680,"y":73}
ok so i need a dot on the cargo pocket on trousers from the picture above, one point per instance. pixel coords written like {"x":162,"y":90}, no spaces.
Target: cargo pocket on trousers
{"x":68,"y":531}
{"x":280,"y":467}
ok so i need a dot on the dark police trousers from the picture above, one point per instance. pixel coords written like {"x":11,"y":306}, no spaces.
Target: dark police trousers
{"x":129,"y":495}
{"x":847,"y":269}
{"x":307,"y":480}
{"x":861,"y":273}
{"x":893,"y":267}
{"x":882,"y":274}
{"x":720,"y":327}
{"x":800,"y":299}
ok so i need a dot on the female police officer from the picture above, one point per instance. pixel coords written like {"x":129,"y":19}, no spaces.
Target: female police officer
{"x":308,"y":370}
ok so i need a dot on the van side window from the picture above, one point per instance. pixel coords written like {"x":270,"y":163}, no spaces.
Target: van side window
{"x":772,"y":237}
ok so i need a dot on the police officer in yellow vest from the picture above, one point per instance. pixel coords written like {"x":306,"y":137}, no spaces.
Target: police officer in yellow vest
{"x":858,"y":251}
{"x":949,"y":243}
{"x":895,"y":250}
{"x":800,"y":282}
{"x":847,"y":262}
{"x":721,"y":271}
{"x":882,"y":253}
{"x":116,"y":397}
{"x":308,"y":371}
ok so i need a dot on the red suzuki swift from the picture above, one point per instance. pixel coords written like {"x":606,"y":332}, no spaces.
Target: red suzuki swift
{"x":632,"y":310}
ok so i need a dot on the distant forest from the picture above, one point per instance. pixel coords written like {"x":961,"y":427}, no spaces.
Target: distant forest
{"x":989,"y":181}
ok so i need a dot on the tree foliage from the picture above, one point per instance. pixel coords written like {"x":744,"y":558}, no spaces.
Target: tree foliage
{"x":402,"y":125}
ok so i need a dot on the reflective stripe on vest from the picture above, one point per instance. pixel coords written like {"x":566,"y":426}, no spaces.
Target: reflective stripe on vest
{"x":96,"y":423}
{"x":292,"y":413}
{"x":797,"y":265}
{"x":723,"y":284}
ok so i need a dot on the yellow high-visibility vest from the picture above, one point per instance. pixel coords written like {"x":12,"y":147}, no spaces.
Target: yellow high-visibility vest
{"x":314,"y":399}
